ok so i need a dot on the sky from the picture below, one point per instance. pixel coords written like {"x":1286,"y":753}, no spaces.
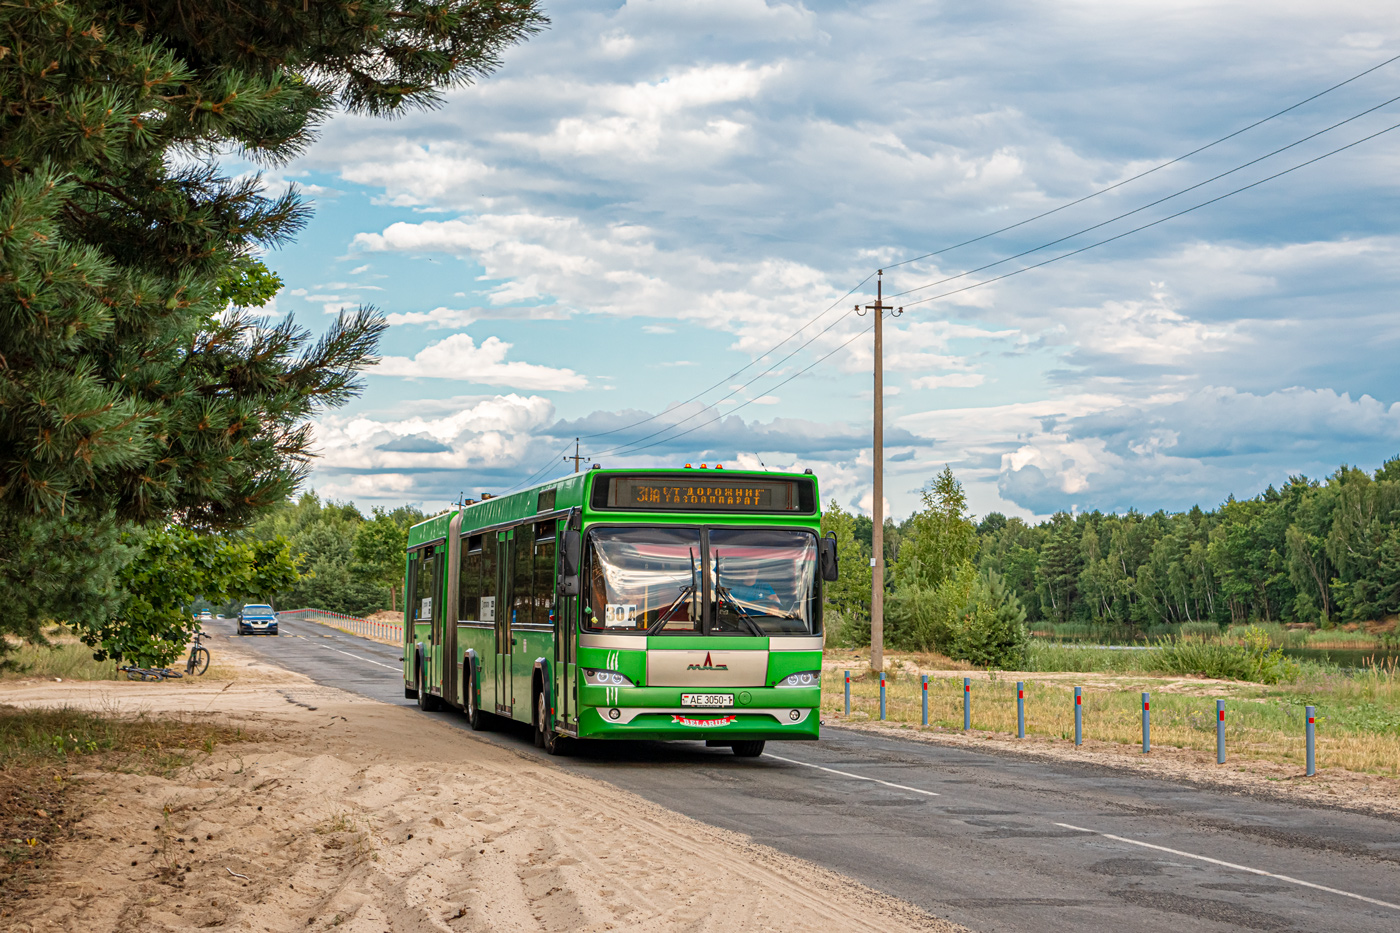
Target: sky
{"x":649,"y":228}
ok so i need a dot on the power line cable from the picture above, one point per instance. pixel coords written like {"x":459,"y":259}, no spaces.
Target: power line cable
{"x":1150,"y":204}
{"x":1170,"y":162}
{"x":741,"y":369}
{"x":993,"y":233}
{"x":538,"y":473}
{"x":864,"y":330}
{"x":735,"y":390}
{"x":1160,"y":220}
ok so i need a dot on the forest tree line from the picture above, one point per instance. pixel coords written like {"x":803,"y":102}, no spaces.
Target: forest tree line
{"x":346,"y":561}
{"x":1321,"y":552}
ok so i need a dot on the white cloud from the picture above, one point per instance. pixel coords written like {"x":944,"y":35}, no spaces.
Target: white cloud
{"x":949,"y":381}
{"x":458,"y":357}
{"x":461,"y":317}
{"x":731,"y":167}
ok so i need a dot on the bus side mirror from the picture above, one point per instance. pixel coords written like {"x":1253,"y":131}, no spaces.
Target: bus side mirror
{"x":569,"y":559}
{"x":826,"y":555}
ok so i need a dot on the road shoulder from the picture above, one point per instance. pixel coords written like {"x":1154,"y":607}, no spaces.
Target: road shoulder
{"x":1369,"y":794}
{"x":354,"y":815}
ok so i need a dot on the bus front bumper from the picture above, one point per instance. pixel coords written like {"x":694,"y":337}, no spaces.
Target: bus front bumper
{"x":640,"y":722}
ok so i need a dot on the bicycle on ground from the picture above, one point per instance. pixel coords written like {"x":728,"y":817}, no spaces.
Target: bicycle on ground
{"x":133,"y":672}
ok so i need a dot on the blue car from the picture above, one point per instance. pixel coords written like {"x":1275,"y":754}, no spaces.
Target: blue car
{"x":257,"y":619}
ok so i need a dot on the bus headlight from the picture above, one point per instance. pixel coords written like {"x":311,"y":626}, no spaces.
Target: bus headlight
{"x":605,"y":678}
{"x":803,"y":679}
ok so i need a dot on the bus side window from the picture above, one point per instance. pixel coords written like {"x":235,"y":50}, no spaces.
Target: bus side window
{"x":596,"y":590}
{"x":423,"y":590}
{"x":544,"y":572}
{"x":469,"y":608}
{"x":410,"y":586}
{"x":522,"y":574}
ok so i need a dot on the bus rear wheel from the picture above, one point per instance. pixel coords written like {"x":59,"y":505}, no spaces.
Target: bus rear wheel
{"x":475,"y":717}
{"x":426,"y":701}
{"x":749,"y":749}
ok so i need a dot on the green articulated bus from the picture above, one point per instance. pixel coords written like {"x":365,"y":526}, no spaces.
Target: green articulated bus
{"x":626,"y":604}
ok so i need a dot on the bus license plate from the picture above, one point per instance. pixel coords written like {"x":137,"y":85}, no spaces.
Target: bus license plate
{"x":707,"y":699}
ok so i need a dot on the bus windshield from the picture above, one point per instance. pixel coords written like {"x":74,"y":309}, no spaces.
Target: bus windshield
{"x":765,"y":578}
{"x":760,"y":581}
{"x":644,"y":578}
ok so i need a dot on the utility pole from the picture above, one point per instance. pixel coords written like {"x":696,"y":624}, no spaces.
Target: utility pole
{"x":877,"y":505}
{"x":576,"y":456}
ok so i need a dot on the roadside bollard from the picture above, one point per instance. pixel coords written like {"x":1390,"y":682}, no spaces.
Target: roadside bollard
{"x":1020,"y":709}
{"x":882,"y":696}
{"x":848,"y":693}
{"x":1078,"y":717}
{"x":1220,"y":732}
{"x":1146,"y":724}
{"x":967,"y":704}
{"x":1312,"y":744}
{"x":925,"y":699}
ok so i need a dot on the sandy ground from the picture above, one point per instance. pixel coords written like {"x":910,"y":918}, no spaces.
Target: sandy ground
{"x":365,"y":818}
{"x":1368,"y":793}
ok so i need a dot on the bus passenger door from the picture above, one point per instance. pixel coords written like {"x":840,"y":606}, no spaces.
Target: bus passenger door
{"x":526,"y":616}
{"x":504,"y":599}
{"x":425,"y":611}
{"x":565,"y":608}
{"x":436,"y":613}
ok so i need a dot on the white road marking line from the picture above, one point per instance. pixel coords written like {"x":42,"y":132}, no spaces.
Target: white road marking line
{"x":358,"y":658}
{"x":858,"y":777}
{"x":1244,"y":868}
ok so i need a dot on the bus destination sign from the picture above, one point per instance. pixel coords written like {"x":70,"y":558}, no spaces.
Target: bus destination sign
{"x":709,"y":495}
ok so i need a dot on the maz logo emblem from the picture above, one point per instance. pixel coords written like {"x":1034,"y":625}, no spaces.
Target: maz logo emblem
{"x":708,"y":665}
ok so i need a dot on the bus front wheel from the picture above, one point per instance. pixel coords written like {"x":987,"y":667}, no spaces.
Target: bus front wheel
{"x":545,"y":737}
{"x":749,"y":749}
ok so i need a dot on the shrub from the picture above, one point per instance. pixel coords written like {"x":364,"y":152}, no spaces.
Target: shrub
{"x":1199,"y":630}
{"x":991,"y":631}
{"x":923,"y":618}
{"x":1252,"y":658}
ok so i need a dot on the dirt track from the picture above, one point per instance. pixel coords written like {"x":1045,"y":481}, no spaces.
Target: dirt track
{"x":357,"y":816}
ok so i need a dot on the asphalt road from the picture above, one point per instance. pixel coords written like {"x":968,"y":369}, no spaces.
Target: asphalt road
{"x":995,"y":842}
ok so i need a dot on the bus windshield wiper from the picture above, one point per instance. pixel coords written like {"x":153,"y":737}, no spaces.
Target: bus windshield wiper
{"x":687,"y":593}
{"x":727,"y":598}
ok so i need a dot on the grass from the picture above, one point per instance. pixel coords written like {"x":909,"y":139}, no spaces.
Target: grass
{"x":40,"y":750}
{"x":66,"y":657}
{"x":1215,"y":658}
{"x":1358,"y":715}
{"x":1381,"y":634}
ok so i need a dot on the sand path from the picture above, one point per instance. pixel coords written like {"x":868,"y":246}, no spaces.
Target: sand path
{"x":364,"y":818}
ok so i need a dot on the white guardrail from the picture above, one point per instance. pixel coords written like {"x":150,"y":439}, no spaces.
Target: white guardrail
{"x":388,"y":633}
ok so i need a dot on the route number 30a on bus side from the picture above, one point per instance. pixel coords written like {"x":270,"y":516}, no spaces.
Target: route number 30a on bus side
{"x":620,"y":615}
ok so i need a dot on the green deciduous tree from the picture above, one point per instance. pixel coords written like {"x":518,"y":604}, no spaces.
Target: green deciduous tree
{"x":848,"y":598}
{"x":380,"y":547}
{"x":347,"y":564}
{"x":939,"y":538}
{"x":172,"y":568}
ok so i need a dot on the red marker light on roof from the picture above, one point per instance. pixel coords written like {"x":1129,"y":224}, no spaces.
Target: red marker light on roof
{"x":719,"y":466}
{"x":703,"y":467}
{"x":687,"y":466}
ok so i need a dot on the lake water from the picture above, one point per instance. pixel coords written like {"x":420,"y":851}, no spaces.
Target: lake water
{"x":1347,"y":657}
